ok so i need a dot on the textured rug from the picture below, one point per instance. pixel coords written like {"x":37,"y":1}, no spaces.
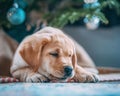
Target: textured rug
{"x":60,"y":89}
{"x":109,"y":85}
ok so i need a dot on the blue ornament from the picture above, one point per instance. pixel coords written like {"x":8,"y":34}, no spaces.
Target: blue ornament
{"x":16,"y":16}
{"x":92,"y":23}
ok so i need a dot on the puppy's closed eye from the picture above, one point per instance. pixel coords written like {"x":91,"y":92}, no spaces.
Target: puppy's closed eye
{"x":54,"y":54}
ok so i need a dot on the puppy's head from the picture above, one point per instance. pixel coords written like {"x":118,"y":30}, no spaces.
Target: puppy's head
{"x":51,"y":51}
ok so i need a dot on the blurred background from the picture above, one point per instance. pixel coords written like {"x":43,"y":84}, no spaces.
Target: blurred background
{"x":95,"y":24}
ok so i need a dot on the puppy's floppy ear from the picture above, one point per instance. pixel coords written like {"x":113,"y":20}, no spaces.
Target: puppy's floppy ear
{"x":32,"y":48}
{"x":74,"y":59}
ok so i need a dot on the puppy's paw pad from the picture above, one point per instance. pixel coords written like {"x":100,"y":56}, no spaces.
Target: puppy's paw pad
{"x":36,"y":78}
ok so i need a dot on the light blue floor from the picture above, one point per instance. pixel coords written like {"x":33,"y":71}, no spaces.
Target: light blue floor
{"x":60,"y":89}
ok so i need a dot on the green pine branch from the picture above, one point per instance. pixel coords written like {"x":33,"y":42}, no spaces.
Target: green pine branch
{"x":61,"y":12}
{"x":75,"y":14}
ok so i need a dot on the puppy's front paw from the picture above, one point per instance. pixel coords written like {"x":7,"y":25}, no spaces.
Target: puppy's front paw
{"x":36,"y":78}
{"x":91,"y":77}
{"x":86,"y":78}
{"x":81,"y":75}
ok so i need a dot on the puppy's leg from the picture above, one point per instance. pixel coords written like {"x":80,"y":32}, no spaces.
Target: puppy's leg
{"x":81,"y":75}
{"x":27,"y":75}
{"x":85,"y":70}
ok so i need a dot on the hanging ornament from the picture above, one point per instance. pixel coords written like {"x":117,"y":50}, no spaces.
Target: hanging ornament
{"x":90,"y":1}
{"x":16,"y":15}
{"x":92,"y":23}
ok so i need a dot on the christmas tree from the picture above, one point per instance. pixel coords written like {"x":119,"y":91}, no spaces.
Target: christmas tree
{"x":56,"y":13}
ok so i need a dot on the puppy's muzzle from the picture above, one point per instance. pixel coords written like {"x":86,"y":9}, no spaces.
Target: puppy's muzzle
{"x":68,"y":71}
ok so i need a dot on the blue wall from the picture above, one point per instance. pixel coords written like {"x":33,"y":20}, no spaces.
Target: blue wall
{"x":103,"y":44}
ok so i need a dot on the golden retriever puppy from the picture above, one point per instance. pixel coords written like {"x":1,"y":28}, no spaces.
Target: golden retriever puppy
{"x":49,"y":55}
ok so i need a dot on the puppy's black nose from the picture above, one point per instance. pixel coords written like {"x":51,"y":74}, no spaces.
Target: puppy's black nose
{"x":68,"y":70}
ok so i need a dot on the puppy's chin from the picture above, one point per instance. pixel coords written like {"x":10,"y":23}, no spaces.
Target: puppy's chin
{"x":62,"y":78}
